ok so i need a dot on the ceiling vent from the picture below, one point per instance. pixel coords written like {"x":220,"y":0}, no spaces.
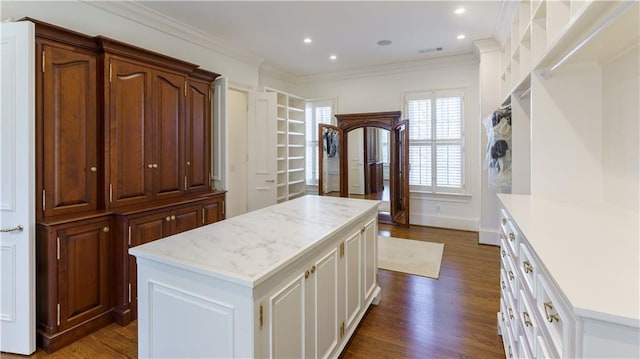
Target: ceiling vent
{"x":430,"y":50}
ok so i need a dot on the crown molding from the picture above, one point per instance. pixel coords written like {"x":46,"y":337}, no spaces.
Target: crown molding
{"x":392,"y":68}
{"x":160,"y":22}
{"x":278,"y":73}
{"x":484,"y":46}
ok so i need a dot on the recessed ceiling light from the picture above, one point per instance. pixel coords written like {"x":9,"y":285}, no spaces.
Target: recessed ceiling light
{"x":307,"y":40}
{"x":461,"y":37}
{"x":384,"y":42}
{"x":333,"y":57}
{"x":459,"y":10}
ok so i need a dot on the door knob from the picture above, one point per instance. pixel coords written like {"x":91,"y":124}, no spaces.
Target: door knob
{"x":94,"y":169}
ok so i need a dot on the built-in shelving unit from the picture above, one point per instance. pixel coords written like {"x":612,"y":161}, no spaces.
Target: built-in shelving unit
{"x":570,"y":72}
{"x":291,"y":144}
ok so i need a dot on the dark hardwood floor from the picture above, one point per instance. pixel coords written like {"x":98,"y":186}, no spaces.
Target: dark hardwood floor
{"x":451,"y":317}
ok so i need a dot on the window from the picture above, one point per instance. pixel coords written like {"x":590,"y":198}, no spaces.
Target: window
{"x":316,"y":112}
{"x":436,"y":141}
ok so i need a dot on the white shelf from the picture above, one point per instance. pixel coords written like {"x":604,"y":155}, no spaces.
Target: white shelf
{"x":290,"y":144}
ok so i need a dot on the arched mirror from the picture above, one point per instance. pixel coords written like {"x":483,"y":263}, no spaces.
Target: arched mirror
{"x":365,"y":156}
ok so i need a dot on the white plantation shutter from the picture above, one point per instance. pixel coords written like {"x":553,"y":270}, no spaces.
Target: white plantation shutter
{"x":436,"y":142}
{"x":316,"y":112}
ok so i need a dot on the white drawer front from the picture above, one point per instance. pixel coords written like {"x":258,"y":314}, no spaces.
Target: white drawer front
{"x":523,"y":349}
{"x":542,"y":350}
{"x":527,"y":317}
{"x":511,"y":312}
{"x":509,"y":232}
{"x":528,"y":268}
{"x":511,"y":274}
{"x":509,"y":344}
{"x":557,"y":321}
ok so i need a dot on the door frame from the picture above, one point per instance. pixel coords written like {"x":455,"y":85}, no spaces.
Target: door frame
{"x":399,"y":133}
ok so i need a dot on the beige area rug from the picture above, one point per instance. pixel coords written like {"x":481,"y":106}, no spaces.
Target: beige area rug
{"x":410,"y":256}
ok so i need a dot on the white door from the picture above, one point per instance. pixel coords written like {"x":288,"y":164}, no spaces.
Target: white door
{"x":17,"y":187}
{"x":261,"y":143}
{"x":356,"y":161}
{"x":219,"y":137}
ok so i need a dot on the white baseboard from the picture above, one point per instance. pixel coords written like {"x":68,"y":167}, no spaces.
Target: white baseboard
{"x":460,"y":223}
{"x":489,"y":236}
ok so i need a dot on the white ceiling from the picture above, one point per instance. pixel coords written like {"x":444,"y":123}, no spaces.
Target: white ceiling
{"x":274,"y":31}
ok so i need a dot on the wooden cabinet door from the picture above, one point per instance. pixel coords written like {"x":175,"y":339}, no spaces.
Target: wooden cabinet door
{"x":128,"y":107}
{"x":197,"y":135}
{"x":169,"y":100}
{"x":187,"y":218}
{"x":69,"y":120}
{"x":213,"y":210}
{"x":84,"y":272}
{"x":143,"y":230}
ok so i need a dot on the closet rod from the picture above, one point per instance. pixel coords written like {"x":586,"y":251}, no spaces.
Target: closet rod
{"x":608,"y":21}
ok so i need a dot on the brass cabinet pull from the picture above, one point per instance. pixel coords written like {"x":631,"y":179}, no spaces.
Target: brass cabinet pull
{"x":528,"y":268}
{"x":527,"y":319}
{"x":150,"y":165}
{"x":512,"y":236}
{"x":155,"y":165}
{"x":17,"y":228}
{"x":313,"y":269}
{"x":504,"y":221}
{"x":510,"y":352}
{"x":550,"y":317}
{"x":168,"y":219}
{"x":504,"y":253}
{"x":306,"y":274}
{"x":503,"y":285}
{"x":510,"y":313}
{"x":94,"y":169}
{"x":511,"y":276}
{"x":173,"y":218}
{"x":105,"y":229}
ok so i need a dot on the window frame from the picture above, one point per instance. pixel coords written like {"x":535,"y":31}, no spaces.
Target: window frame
{"x":434,"y":190}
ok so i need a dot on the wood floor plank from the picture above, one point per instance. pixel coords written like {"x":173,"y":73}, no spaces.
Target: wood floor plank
{"x":450,"y":317}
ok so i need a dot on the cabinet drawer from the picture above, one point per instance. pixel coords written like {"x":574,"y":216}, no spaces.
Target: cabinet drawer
{"x":510,"y":233}
{"x":523,"y":349}
{"x":527,"y":316}
{"x":511,"y":275}
{"x":542,"y":349}
{"x":509,"y":344}
{"x":528,"y":268}
{"x":511,"y":312}
{"x":556,"y":320}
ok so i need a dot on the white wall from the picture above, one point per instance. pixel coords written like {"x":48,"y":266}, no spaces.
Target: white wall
{"x":237,"y":153}
{"x":382,"y":91}
{"x":87,"y":18}
{"x":620,"y":139}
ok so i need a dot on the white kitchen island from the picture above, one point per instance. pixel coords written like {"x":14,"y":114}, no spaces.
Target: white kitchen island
{"x":288,"y":281}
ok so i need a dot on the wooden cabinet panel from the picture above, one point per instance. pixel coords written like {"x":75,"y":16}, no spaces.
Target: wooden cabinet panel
{"x":69,"y":121}
{"x":197,"y":135}
{"x":213,"y":210}
{"x":184,"y":219}
{"x":129,"y":111}
{"x":84,"y":272}
{"x":169,"y":99}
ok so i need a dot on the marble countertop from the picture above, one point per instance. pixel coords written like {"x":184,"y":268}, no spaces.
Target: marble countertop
{"x":248,"y":248}
{"x":591,"y":249}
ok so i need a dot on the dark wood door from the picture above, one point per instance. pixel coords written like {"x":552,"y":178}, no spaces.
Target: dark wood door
{"x":213,"y":210}
{"x":129,"y":106}
{"x":187,"y":218}
{"x":84,"y":272}
{"x":168,"y":154}
{"x":399,"y":174}
{"x":143,"y":230}
{"x":198,"y":134}
{"x":69,"y":121}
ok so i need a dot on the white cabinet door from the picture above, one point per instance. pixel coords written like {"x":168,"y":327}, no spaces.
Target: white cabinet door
{"x":288,"y":318}
{"x":352,"y":278}
{"x":325,"y":313}
{"x":17,"y":188}
{"x":370,"y":257}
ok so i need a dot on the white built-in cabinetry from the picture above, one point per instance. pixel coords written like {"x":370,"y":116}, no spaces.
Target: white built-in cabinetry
{"x":290,"y":145}
{"x":570,"y":264}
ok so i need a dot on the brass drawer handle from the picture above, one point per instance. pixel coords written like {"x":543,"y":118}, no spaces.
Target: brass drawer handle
{"x":504,"y":221}
{"x":550,"y":317}
{"x":511,"y":276}
{"x":510,"y":313}
{"x":306,"y":274}
{"x":313,"y":269}
{"x":503,"y":285}
{"x":504,"y":253}
{"x":512,"y":236}
{"x":528,"y":268}
{"x":527,"y":319}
